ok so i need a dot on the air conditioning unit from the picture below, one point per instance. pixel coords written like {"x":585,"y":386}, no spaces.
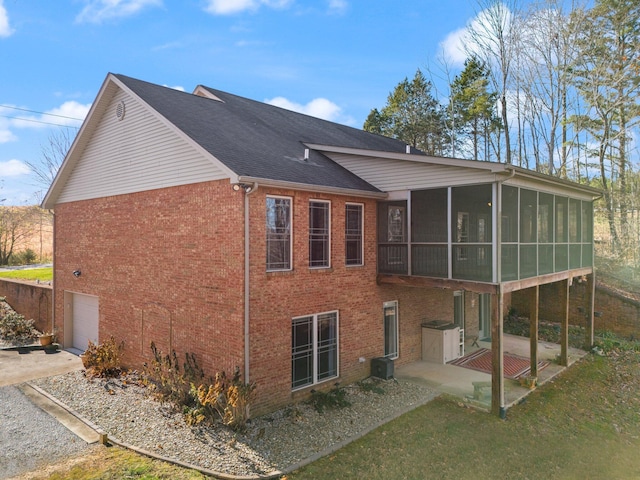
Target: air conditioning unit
{"x":382,"y":367}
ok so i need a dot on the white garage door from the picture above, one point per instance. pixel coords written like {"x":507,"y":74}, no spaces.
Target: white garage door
{"x":85,"y":320}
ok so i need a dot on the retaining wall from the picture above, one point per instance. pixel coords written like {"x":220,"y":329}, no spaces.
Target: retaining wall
{"x":29,"y":299}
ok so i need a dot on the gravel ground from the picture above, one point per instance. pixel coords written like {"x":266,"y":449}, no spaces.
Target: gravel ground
{"x":29,"y":437}
{"x":277,"y":441}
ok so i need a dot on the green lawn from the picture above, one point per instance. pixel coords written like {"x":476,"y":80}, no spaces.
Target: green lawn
{"x":42,"y":274}
{"x":584,"y":424}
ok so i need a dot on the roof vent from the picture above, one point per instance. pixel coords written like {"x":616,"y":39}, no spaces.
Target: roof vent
{"x":120,"y":110}
{"x":408,"y":150}
{"x":306,"y":154}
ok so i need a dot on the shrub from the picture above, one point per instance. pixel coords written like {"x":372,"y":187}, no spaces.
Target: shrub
{"x":14,"y":327}
{"x":168,"y":380}
{"x":608,"y":342}
{"x":200,"y":400}
{"x":230,"y":400}
{"x":103,"y":360}
{"x":335,"y":398}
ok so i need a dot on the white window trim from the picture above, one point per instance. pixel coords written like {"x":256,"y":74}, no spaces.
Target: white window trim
{"x":361,"y":205}
{"x":315,"y":349}
{"x":328,"y":265}
{"x":290,"y":236}
{"x":385,"y":305}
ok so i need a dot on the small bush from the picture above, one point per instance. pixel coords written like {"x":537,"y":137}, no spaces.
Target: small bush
{"x":608,"y":342}
{"x":228,"y":399}
{"x":169,"y":381}
{"x":335,"y":398}
{"x":103,"y":360}
{"x":200,"y":400}
{"x":371,"y":385}
{"x":14,"y":327}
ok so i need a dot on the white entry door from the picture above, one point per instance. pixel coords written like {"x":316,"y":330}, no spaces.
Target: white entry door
{"x":85,"y":320}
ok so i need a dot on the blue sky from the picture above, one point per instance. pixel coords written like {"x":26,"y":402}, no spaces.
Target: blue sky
{"x":336,"y":59}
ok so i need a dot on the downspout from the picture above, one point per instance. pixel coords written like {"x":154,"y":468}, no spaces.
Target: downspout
{"x":251,"y":191}
{"x":53,"y":282}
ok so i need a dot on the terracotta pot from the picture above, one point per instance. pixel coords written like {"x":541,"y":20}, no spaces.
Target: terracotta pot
{"x":46,"y":340}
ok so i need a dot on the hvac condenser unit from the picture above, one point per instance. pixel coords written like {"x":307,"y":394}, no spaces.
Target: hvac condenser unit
{"x":382,"y":367}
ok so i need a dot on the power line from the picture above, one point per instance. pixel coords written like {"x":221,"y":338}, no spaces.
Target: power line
{"x":40,"y":121}
{"x":39,"y":113}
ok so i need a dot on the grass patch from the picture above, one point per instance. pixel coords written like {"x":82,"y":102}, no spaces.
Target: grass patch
{"x":585,"y":424}
{"x":114,"y":463}
{"x":33,"y":274}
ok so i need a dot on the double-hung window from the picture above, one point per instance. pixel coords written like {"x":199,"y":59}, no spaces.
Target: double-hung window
{"x":319,"y":233}
{"x":314,"y":349}
{"x":278,"y":233}
{"x":353,"y":233}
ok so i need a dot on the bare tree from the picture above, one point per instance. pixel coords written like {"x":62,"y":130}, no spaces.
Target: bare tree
{"x":493,"y":40}
{"x":53,"y":153}
{"x":16,"y":225}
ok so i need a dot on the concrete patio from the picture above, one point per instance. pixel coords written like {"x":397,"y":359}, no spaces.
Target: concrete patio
{"x":458,"y":381}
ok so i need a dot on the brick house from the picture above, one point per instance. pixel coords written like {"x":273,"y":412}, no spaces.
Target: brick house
{"x":291,"y":247}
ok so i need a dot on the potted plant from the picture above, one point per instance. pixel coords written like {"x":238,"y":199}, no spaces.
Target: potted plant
{"x":529,"y":381}
{"x":46,"y":338}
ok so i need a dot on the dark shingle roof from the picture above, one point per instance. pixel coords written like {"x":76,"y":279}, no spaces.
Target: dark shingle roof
{"x":258,"y":140}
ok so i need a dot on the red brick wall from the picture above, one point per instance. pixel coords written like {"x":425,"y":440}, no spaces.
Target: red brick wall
{"x":617,"y":313}
{"x":277,"y":297}
{"x":166,"y":265}
{"x":28,"y":299}
{"x":551,"y":304}
{"x":614,"y":312}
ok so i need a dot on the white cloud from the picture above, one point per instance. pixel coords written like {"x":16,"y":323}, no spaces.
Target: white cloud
{"x":98,"y":11}
{"x":13,"y":168}
{"x":318,"y":107}
{"x":453,"y":46}
{"x":6,"y":135}
{"x":338,"y":6}
{"x":458,"y":44}
{"x":229,"y":7}
{"x":5,"y":29}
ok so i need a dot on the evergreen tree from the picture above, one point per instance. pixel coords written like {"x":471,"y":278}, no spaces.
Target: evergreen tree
{"x":472,"y":107}
{"x":412,"y":115}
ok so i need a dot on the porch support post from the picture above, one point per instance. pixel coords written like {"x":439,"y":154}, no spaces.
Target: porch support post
{"x":590,"y":307}
{"x":497,"y":357}
{"x":534,"y":308}
{"x":564,"y":328}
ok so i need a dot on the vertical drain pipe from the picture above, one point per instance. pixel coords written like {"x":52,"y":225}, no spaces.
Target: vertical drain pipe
{"x":248,"y":191}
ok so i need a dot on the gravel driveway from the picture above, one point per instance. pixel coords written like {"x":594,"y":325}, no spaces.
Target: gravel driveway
{"x":29,"y":437}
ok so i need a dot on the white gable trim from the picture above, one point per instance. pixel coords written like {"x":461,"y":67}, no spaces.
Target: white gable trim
{"x":110,"y":90}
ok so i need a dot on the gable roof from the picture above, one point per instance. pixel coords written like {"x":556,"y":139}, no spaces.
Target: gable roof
{"x":250,"y":141}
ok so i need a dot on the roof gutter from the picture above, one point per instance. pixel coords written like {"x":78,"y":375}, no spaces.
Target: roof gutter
{"x":265,"y":182}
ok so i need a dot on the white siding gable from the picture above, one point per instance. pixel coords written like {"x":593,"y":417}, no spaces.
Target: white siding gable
{"x":390,"y":174}
{"x":138,"y":153}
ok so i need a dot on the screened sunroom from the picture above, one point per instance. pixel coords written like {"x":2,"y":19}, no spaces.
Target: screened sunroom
{"x":451,"y":232}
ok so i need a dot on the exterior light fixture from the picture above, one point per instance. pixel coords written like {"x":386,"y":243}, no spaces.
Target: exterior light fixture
{"x":237,"y":186}
{"x":77,"y":273}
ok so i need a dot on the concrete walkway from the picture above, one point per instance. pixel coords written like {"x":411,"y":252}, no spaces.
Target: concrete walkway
{"x":458,"y":381}
{"x":18,"y":366}
{"x":25,"y":364}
